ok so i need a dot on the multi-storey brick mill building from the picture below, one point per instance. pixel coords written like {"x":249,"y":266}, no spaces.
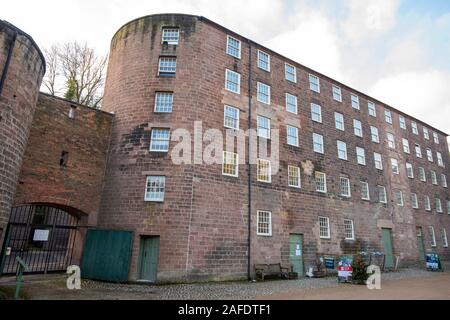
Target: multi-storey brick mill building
{"x":345,"y":173}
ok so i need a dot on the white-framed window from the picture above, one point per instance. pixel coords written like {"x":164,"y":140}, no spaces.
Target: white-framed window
{"x":171,"y":35}
{"x":263,"y":93}
{"x":433,"y":177}
{"x":324,"y":228}
{"x":314,"y":83}
{"x":439,"y":159}
{"x":372,"y":109}
{"x":321,"y":182}
{"x":378,"y":161}
{"x":232,"y":81}
{"x":388,"y":116}
{"x":316,"y":113}
{"x":357,"y":128}
{"x":160,"y":140}
{"x":406,"y":146}
{"x":337,"y":93}
{"x":422,"y":176}
{"x":448,"y":206}
{"x":348,"y":229}
{"x":230,"y":164}
{"x":391,"y":140}
{"x":438,"y":205}
{"x":444,"y":180}
{"x":409,"y":170}
{"x":414,"y":128}
{"x":167,"y":66}
{"x":414,"y":201}
{"x":290,"y":72}
{"x":361,"y":156}
{"x":318,"y":143}
{"x":374,"y":134}
{"x":263,"y":127}
{"x":292,"y":136}
{"x":233,"y":47}
{"x":72,"y":110}
{"x":394,"y":166}
{"x":427,"y":203}
{"x":355,"y":101}
{"x":264,"y":223}
{"x":342,"y":150}
{"x":382,"y":197}
{"x":399,"y":198}
{"x":231,"y":117}
{"x":365,"y":193}
{"x":426,"y":134}
{"x":444,"y":238}
{"x":418,"y":150}
{"x":291,"y":103}
{"x":432,"y":236}
{"x":294,"y":177}
{"x":402,"y":121}
{"x":263,"y":61}
{"x":429,"y":155}
{"x":163,"y":102}
{"x":435,"y":138}
{"x":339,"y":121}
{"x":344,"y":184}
{"x":155,"y":187}
{"x":264,"y":171}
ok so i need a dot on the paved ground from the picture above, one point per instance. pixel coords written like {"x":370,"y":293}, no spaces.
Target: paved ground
{"x":404,"y":284}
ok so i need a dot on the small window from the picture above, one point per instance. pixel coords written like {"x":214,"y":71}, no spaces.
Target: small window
{"x":167,"y":66}
{"x":264,"y":221}
{"x":444,"y":238}
{"x":230,"y":164}
{"x":375,"y":135}
{"x":409,"y":170}
{"x":318,"y":143}
{"x":160,"y":140}
{"x":426,"y":134}
{"x":233,"y":81}
{"x":414,"y":201}
{"x":427,"y":203}
{"x":264,"y":171}
{"x":321,"y":182}
{"x":170,"y":35}
{"x":324,"y":228}
{"x":388,"y":116}
{"x":418,"y":151}
{"x":360,"y":156}
{"x":399,"y":198}
{"x":372,"y":109}
{"x":263,"y":61}
{"x":290,"y":73}
{"x":316,"y":113}
{"x":64,"y":159}
{"x":444,"y":180}
{"x":231,"y":117}
{"x":294,"y":177}
{"x":438,"y":205}
{"x":348,"y":230}
{"x":263,"y":129}
{"x":435,"y":138}
{"x":358,"y":128}
{"x":263,"y":93}
{"x":391,"y":140}
{"x":291,"y":103}
{"x":292,"y":136}
{"x":365,"y":194}
{"x":405,"y":146}
{"x":163,"y":102}
{"x":422,"y":176}
{"x":394,"y":166}
{"x":233,"y":47}
{"x":414,"y":128}
{"x":429,"y":155}
{"x":378,"y":161}
{"x":432,"y":236}
{"x":337,"y":93}
{"x":439,"y":159}
{"x":339,"y":121}
{"x":344,"y":184}
{"x":355,"y":101}
{"x":448,"y":206}
{"x":314,"y":83}
{"x":342,"y":150}
{"x":72,"y":112}
{"x":402,"y":122}
{"x":382,"y":198}
{"x":433,"y":177}
{"x":155,"y":188}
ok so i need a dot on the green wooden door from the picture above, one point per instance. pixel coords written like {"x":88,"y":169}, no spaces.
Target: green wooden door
{"x":387,"y":245}
{"x":420,"y":244}
{"x":296,"y":253}
{"x":149,"y":253}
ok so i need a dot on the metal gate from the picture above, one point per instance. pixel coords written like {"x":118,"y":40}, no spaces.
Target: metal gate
{"x":41,"y":235}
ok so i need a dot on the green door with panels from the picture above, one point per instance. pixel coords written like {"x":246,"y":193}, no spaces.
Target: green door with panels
{"x":387,"y":245}
{"x":420,"y":244}
{"x":296,"y":253}
{"x":148,"y":258}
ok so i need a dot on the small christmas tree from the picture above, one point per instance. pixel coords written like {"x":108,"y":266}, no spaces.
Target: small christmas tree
{"x":359,"y":270}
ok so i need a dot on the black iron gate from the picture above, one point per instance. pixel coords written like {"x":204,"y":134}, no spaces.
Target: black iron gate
{"x":41,"y":235}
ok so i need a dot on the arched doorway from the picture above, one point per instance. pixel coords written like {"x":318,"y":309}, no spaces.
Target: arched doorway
{"x":42,"y":235}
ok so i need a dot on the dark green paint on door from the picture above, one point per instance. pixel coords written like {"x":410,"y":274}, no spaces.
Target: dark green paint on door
{"x":296,"y":253}
{"x":387,"y":245}
{"x":148,"y":258}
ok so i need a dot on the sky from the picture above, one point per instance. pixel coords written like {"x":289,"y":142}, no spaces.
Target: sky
{"x":397,"y":51}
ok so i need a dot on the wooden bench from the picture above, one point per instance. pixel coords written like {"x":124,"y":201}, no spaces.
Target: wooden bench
{"x":274,"y":269}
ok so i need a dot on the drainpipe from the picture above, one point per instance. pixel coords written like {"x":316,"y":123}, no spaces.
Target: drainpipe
{"x":8,"y":61}
{"x":249,"y":168}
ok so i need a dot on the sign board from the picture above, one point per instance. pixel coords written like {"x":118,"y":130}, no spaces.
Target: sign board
{"x":329,"y":262}
{"x":41,"y":235}
{"x":432,"y":260}
{"x":345,"y":268}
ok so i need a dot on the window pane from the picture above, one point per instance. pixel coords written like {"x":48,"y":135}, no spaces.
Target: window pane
{"x":163,"y":102}
{"x":155,"y":188}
